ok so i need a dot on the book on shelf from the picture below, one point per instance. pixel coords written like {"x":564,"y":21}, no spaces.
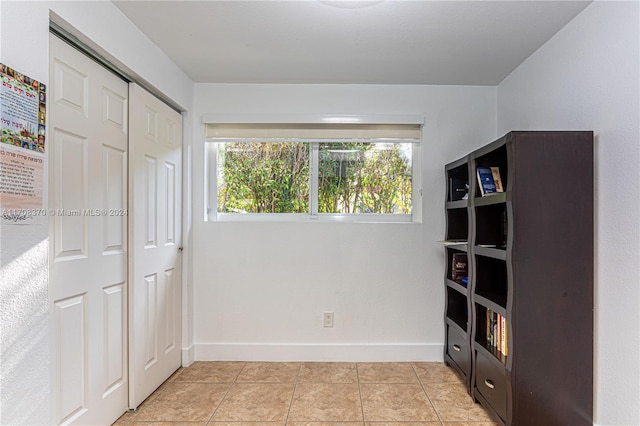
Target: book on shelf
{"x":458,"y":267}
{"x":499,"y":326}
{"x":489,"y":328}
{"x":495,"y":173}
{"x":485,"y":181}
{"x":497,"y":332}
{"x":504,"y":347}
{"x":458,"y":189}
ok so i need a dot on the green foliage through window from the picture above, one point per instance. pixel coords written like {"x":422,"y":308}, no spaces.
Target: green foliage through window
{"x":263,"y":177}
{"x":364,"y":178}
{"x":352,"y":177}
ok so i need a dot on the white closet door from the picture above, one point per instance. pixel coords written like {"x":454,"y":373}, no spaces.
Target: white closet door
{"x":155,"y":273}
{"x":88,"y":237}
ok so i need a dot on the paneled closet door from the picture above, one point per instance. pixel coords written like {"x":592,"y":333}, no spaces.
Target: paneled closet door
{"x":88,"y":137}
{"x":155,"y":297}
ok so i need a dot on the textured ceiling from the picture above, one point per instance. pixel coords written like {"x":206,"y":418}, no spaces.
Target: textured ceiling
{"x":376,"y":42}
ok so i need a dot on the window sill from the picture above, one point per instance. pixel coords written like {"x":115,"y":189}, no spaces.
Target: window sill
{"x":307,"y":218}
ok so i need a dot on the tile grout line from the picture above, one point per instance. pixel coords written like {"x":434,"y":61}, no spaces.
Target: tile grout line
{"x":225,"y":395}
{"x":156,"y":393}
{"x":425,"y":392}
{"x":360,"y":393}
{"x":295,"y":386}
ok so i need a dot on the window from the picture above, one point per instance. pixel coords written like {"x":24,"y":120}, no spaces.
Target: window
{"x":357,"y":177}
{"x":263,"y":177}
{"x":351,"y":172}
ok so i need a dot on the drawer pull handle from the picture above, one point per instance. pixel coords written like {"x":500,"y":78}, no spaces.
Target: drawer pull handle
{"x":456,"y":348}
{"x":488,"y":383}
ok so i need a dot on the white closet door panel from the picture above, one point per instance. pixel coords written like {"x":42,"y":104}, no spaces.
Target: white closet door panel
{"x":88,"y":122}
{"x":155,"y":204}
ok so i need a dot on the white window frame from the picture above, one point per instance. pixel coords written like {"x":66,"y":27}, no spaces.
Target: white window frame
{"x":211,"y":187}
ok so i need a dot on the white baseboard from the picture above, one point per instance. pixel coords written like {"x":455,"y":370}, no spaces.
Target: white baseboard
{"x":188,"y":356}
{"x":318,"y":352}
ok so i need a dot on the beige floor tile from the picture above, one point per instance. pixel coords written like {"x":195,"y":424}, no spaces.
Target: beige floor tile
{"x":126,"y":418}
{"x":167,"y":424}
{"x":266,"y":402}
{"x":470,"y":424}
{"x":174,"y":375}
{"x":325,"y":423}
{"x":402,"y":423}
{"x":435,"y":372}
{"x":326,"y":394}
{"x":326,"y":402}
{"x":386,"y":372}
{"x":328,"y":372}
{"x":158,"y":391}
{"x":269,"y":372}
{"x":211,"y":372}
{"x":183,"y":402}
{"x":396,"y":403}
{"x":453,"y":403}
{"x":246,"y":423}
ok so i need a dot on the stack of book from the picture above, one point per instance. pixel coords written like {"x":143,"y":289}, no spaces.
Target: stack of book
{"x":458,"y":189}
{"x":459,"y":270}
{"x":489,"y":180}
{"x":497,"y":334}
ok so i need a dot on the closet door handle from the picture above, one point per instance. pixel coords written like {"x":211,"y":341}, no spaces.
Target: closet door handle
{"x":488,"y":383}
{"x":456,"y":348}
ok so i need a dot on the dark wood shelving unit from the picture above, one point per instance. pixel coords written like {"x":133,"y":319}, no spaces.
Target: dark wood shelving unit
{"x":530,"y":278}
{"x":457,"y":333}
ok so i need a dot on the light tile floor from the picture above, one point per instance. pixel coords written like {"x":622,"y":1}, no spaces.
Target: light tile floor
{"x":310,"y":394}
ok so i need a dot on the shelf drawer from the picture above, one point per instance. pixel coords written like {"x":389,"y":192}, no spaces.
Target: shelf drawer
{"x":458,"y":349}
{"x":492,"y":384}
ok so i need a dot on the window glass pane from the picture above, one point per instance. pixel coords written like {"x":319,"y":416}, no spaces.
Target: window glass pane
{"x":265,"y":177}
{"x":364,"y":178}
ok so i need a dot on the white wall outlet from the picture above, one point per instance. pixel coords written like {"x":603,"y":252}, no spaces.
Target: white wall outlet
{"x":327,"y":319}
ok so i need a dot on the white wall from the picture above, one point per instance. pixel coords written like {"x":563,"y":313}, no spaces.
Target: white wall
{"x":25,"y":369}
{"x":260,"y":288}
{"x":587,"y":77}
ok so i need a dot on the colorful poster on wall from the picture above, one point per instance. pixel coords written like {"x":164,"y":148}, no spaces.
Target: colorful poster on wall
{"x":22,"y":146}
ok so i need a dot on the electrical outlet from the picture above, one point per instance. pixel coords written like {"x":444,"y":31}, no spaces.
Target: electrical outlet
{"x":327,"y":319}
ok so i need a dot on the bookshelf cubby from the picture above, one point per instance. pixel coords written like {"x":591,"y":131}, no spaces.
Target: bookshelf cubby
{"x":481,"y":340}
{"x":458,"y":221}
{"x":491,"y":225}
{"x":520,"y":332}
{"x":450,"y":255}
{"x":457,"y":183}
{"x":457,"y":309}
{"x":491,"y":280}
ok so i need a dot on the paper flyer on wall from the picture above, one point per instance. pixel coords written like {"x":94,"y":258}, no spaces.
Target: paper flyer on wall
{"x":22,"y":147}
